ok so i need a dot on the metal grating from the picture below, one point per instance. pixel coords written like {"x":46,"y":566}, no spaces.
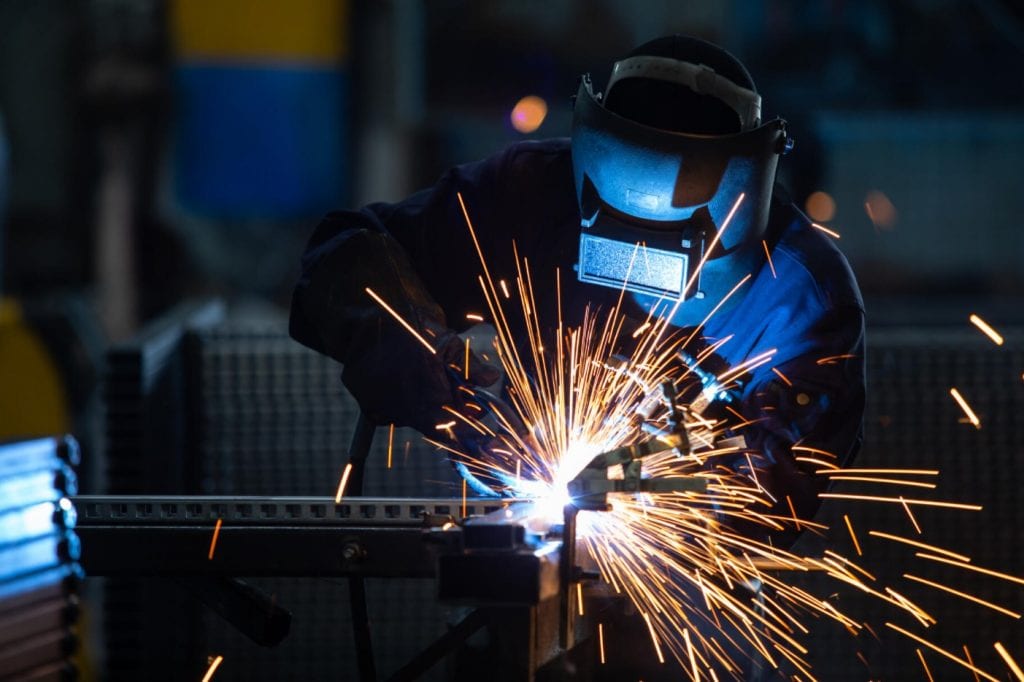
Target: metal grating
{"x":273,"y":419}
{"x":913,"y":422}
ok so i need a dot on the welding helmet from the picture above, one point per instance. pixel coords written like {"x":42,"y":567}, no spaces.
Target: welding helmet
{"x":661,"y":160}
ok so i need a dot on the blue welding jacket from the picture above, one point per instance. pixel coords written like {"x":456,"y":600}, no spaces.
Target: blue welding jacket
{"x":417,"y":254}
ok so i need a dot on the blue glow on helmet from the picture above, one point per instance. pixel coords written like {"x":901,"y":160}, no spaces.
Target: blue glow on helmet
{"x":652,"y":202}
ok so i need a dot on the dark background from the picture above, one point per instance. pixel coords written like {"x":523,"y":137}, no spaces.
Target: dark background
{"x":918,"y":100}
{"x":157,"y":152}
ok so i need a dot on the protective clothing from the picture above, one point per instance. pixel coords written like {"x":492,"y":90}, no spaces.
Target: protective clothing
{"x":805,"y":304}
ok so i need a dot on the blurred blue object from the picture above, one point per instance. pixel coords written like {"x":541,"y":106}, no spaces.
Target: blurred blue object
{"x":36,"y":518}
{"x":260,"y":142}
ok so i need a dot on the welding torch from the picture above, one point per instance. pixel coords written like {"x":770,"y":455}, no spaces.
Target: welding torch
{"x":589,"y":490}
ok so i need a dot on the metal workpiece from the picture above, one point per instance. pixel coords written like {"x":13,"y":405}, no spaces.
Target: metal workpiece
{"x":279,"y":511}
{"x":590,"y":488}
{"x":521,"y":577}
{"x":504,"y":558}
{"x":260,"y":551}
{"x":286,"y":536}
{"x":517,"y":566}
{"x":270,"y":536}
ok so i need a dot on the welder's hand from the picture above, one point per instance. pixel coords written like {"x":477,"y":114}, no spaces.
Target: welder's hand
{"x":496,"y":450}
{"x":397,"y":380}
{"x":465,"y":373}
{"x":452,"y":351}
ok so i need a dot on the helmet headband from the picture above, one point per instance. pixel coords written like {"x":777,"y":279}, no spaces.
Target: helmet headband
{"x":698,"y":78}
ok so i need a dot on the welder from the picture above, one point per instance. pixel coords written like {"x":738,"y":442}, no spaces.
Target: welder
{"x":674,"y":154}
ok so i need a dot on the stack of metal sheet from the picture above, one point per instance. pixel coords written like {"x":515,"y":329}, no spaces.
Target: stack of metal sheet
{"x":38,"y":559}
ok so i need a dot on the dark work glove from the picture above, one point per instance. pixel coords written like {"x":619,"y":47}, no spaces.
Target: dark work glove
{"x":399,"y":381}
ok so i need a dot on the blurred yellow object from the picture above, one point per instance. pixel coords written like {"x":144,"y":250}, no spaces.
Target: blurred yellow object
{"x":32,"y":397}
{"x":302,"y":31}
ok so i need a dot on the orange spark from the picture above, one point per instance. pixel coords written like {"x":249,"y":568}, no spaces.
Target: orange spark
{"x":783,"y":377}
{"x":827,"y":466}
{"x":341,"y":484}
{"x":965,"y":407}
{"x":768,"y":255}
{"x":807,"y":448}
{"x":942,"y":651}
{"x":1012,"y":664}
{"x":693,"y":659}
{"x":853,"y":536}
{"x":579,"y":596}
{"x":921,"y":545}
{"x":708,"y":252}
{"x":213,"y":541}
{"x":394,"y":314}
{"x":971,"y":660}
{"x":504,"y":288}
{"x":962,"y":595}
{"x":977,"y":569}
{"x":910,"y":515}
{"x":838,"y":476}
{"x":834,"y":358}
{"x":466,"y":366}
{"x":463,"y":498}
{"x":899,"y":472}
{"x":214,"y":664}
{"x":986,"y":329}
{"x":600,"y":640}
{"x":796,"y":519}
{"x":474,"y":317}
{"x":654,"y":637}
{"x":641,"y":329}
{"x":925,"y":665}
{"x":922,"y":503}
{"x":830,"y":233}
{"x":391,"y":443}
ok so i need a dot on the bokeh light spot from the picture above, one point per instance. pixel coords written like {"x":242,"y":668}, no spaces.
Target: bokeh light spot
{"x":880,"y":210}
{"x":528,"y":114}
{"x":820,"y":206}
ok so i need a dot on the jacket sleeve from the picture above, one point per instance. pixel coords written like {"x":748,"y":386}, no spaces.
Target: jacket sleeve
{"x":811,"y":408}
{"x":418,"y":257}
